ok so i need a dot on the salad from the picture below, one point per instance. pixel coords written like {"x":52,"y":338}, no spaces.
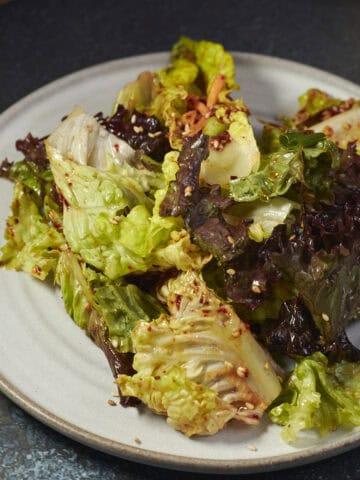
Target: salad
{"x":216,"y":271}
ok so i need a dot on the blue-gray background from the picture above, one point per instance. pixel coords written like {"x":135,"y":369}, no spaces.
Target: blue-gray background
{"x":41,"y":40}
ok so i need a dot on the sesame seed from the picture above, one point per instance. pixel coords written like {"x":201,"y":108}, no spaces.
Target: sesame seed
{"x":241,"y":372}
{"x":111,"y":403}
{"x":325,"y":317}
{"x":115,"y":342}
{"x":252,"y":448}
{"x":255,"y":286}
{"x":266,"y":365}
{"x":138,"y":129}
{"x":230,"y":271}
{"x":230,"y":239}
{"x":228,"y":364}
{"x":249,"y":405}
{"x":155,"y":134}
{"x":216,"y":143}
{"x":235,"y":333}
{"x":133,"y":118}
{"x":188,"y":191}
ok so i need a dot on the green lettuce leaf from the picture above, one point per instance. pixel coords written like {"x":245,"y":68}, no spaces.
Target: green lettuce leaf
{"x":85,"y":186}
{"x":127,"y":244}
{"x":313,"y":101}
{"x":81,"y":139}
{"x":210,"y":58}
{"x":75,"y":280}
{"x":37,"y":180}
{"x":169,"y":106}
{"x":93,"y":218}
{"x":278,"y":172}
{"x":318,"y":396}
{"x":303,"y":157}
{"x":105,"y":310}
{"x":239,"y":157}
{"x":110,"y":222}
{"x":95,"y":235}
{"x":33,"y":245}
{"x":204,"y":337}
{"x":34,"y":173}
{"x":137,"y":95}
{"x":189,"y":407}
{"x":180,"y":253}
{"x":181,"y":72}
{"x":265,"y":216}
{"x":270,"y":138}
{"x":90,"y":298}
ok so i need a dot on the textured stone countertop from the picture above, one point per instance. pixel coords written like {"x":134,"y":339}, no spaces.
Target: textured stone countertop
{"x":41,"y":40}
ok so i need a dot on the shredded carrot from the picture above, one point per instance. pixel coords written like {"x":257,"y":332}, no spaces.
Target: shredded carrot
{"x":202,"y":108}
{"x":199,"y":125}
{"x":193,"y":122}
{"x":216,"y":87}
{"x":189,"y":117}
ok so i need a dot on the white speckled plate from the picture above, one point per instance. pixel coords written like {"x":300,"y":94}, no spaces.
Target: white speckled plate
{"x":51,"y":369}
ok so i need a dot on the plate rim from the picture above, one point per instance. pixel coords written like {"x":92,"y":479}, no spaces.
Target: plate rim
{"x":138,"y":454}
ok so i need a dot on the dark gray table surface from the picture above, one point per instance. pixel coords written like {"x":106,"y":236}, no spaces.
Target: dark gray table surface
{"x":41,"y":40}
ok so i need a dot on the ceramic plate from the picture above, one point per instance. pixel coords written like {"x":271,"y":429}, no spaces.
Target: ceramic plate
{"x":47,"y":364}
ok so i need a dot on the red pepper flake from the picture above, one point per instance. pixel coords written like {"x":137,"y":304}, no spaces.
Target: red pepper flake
{"x":223,"y":310}
{"x":178,"y":301}
{"x":254,"y":416}
{"x":116,"y":146}
{"x":37,"y":270}
{"x":219,"y":142}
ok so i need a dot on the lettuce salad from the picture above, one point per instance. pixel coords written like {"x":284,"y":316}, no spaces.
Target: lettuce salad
{"x":217,"y":272}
